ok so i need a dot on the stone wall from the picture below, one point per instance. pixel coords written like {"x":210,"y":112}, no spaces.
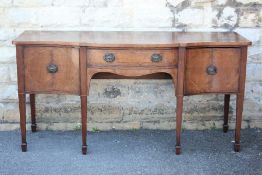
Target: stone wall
{"x":130,"y":104}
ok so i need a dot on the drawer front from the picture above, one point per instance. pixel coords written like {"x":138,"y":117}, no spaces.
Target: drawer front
{"x":212,"y":70}
{"x":164,"y":57}
{"x":51,"y":69}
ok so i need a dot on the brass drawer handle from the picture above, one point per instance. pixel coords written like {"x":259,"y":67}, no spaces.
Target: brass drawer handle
{"x":156,"y":57}
{"x":52,"y":68}
{"x":109,"y":57}
{"x":211,"y":70}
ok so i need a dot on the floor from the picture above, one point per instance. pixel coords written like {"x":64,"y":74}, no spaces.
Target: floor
{"x":145,"y":152}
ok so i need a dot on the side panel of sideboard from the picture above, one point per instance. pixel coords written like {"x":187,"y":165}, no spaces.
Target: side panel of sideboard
{"x":48,"y":69}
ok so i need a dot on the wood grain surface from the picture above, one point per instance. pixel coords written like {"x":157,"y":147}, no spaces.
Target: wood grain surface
{"x":131,"y":39}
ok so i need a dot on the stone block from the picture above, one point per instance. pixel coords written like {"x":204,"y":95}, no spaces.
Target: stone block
{"x":6,"y":34}
{"x":95,"y":126}
{"x":220,"y":2}
{"x":226,"y":17}
{"x":4,"y":73}
{"x":21,"y":17}
{"x":58,"y":112}
{"x":255,"y":58}
{"x":10,"y":112}
{"x":106,"y":17}
{"x":99,"y":112}
{"x":105,"y":3}
{"x":126,"y":126}
{"x":149,"y":112}
{"x":59,"y":16}
{"x":9,"y":126}
{"x":45,"y":99}
{"x":249,"y":1}
{"x":151,"y":17}
{"x":12,"y":70}
{"x":108,"y":90}
{"x":127,"y":17}
{"x":7,"y":54}
{"x":5,"y":3}
{"x":254,"y":72}
{"x":144,"y":4}
{"x":255,"y":124}
{"x":210,"y":110}
{"x":162,"y":125}
{"x":151,"y":89}
{"x":190,"y":18}
{"x":8,"y":92}
{"x":32,"y":3}
{"x":250,"y":18}
{"x":60,"y":126}
{"x":201,"y":125}
{"x":70,"y":3}
{"x":133,"y":90}
{"x":253,"y":90}
{"x":176,"y":3}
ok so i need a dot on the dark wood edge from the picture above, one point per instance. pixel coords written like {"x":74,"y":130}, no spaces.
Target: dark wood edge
{"x":216,"y":44}
{"x":220,"y":92}
{"x":49,"y":45}
{"x":126,"y":66}
{"x":83,"y":71}
{"x":181,"y":71}
{"x":52,"y":92}
{"x":135,"y":46}
{"x":242,"y":75}
{"x":20,"y":69}
{"x":154,"y":76}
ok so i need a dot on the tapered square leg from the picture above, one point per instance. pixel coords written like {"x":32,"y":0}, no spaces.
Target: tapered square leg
{"x":240,"y":98}
{"x":236,"y":147}
{"x":226,"y":112}
{"x":225,"y":128}
{"x":178,"y":150}
{"x":84,"y":123}
{"x":24,"y":147}
{"x":179,"y":111}
{"x":22,"y":110}
{"x":239,"y":110}
{"x":33,"y":127}
{"x":180,"y":96}
{"x":33,"y":119}
{"x":84,"y":149}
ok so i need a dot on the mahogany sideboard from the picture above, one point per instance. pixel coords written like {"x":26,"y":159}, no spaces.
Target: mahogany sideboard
{"x":65,"y":62}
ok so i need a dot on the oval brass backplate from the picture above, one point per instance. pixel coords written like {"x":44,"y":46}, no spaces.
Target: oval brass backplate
{"x":211,"y":70}
{"x":156,"y":57}
{"x":109,"y":57}
{"x":52,"y":68}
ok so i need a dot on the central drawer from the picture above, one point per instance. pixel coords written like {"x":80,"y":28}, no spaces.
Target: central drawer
{"x":131,"y":57}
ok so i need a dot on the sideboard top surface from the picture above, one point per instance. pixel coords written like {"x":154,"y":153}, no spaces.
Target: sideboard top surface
{"x":131,"y":39}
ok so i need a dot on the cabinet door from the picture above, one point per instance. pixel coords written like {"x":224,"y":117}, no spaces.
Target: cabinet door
{"x":51,"y":69}
{"x":212,"y":70}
